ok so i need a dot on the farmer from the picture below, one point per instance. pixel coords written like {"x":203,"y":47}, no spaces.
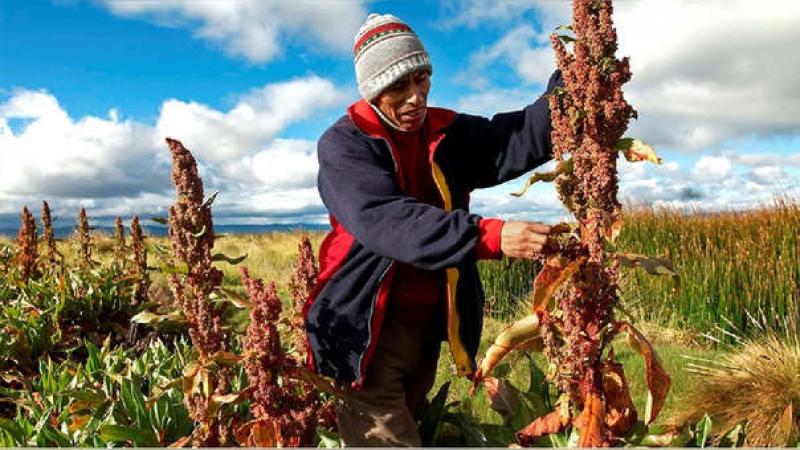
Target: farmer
{"x":398,"y":271}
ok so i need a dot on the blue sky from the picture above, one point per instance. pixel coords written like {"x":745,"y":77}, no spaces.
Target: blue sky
{"x":88,"y":90}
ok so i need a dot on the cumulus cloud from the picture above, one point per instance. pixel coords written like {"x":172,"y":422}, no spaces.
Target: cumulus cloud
{"x":54,"y":155}
{"x":254,"y":29}
{"x":530,"y":61}
{"x":284,"y":164}
{"x":704,"y":72}
{"x":712,"y":168}
{"x":473,"y":13}
{"x":121,"y":167}
{"x":255,"y":120}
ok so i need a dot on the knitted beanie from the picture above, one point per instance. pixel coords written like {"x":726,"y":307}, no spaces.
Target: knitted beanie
{"x":386,"y":50}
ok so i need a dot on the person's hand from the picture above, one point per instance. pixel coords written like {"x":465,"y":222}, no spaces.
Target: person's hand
{"x":520,"y":239}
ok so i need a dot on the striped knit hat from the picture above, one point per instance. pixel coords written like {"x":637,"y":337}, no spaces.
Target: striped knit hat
{"x":386,"y":49}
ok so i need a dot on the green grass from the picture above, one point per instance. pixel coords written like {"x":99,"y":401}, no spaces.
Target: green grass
{"x":730,"y":264}
{"x":515,"y":368}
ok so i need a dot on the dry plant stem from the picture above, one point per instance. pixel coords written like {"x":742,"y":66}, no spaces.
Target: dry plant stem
{"x":139,"y":251}
{"x":587,"y":120}
{"x":191,"y":235}
{"x":26,"y":244}
{"x":49,"y":236}
{"x":83,"y":239}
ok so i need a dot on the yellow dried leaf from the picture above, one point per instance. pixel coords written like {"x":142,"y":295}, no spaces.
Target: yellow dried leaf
{"x":520,"y":334}
{"x":636,"y":150}
{"x":562,"y":167}
{"x":652,"y":265}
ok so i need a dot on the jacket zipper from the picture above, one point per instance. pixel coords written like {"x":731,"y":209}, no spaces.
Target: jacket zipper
{"x":362,"y":360}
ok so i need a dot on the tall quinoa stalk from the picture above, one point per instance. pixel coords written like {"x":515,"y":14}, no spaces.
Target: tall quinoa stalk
{"x":84,"y":240}
{"x":27,"y":251}
{"x":49,"y":236}
{"x":191,"y":235}
{"x":302,"y":283}
{"x":139,"y":251}
{"x":588,"y":120}
{"x":119,"y":241}
{"x":576,"y":290}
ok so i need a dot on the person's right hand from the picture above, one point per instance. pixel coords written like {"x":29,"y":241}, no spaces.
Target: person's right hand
{"x":520,"y":239}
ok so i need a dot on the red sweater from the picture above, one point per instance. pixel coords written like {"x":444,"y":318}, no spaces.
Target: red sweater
{"x":418,"y":295}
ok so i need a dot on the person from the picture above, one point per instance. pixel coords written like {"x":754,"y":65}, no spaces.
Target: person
{"x":398,"y":269}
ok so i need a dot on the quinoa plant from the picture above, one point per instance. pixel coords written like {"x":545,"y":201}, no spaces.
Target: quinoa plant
{"x":576,"y":290}
{"x":27,"y":252}
{"x":119,"y":241}
{"x":84,"y":240}
{"x":139,"y":251}
{"x":301,"y":284}
{"x":49,"y":236}
{"x":191,"y":235}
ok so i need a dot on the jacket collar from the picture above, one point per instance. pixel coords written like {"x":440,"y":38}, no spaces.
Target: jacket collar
{"x":365,"y":118}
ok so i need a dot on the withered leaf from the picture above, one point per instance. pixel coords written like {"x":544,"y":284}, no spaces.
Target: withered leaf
{"x":554,"y":273}
{"x":658,"y":381}
{"x":652,"y":265}
{"x":591,"y":422}
{"x":636,"y":150}
{"x":562,"y":167}
{"x":520,"y":334}
{"x":549,"y":423}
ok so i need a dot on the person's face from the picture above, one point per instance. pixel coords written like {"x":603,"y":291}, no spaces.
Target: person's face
{"x":405,"y":102}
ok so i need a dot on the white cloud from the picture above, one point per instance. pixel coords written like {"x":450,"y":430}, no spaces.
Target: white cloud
{"x":284,"y":164}
{"x":712,"y":168}
{"x":255,"y":120}
{"x":703,"y":72}
{"x":115,"y":167}
{"x":472,"y":13}
{"x":54,"y":155}
{"x":531,"y":62}
{"x":254,"y":29}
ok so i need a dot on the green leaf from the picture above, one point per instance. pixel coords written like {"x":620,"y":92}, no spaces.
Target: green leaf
{"x":432,"y":416}
{"x":151,"y":317}
{"x":556,"y":91}
{"x":210,"y":200}
{"x":230,"y":260}
{"x":235,"y":298}
{"x":565,"y":38}
{"x":169,"y":269}
{"x":734,"y":437}
{"x":328,"y":439}
{"x":161,"y":220}
{"x":574,"y":437}
{"x":125,"y":434}
{"x":564,"y":27}
{"x":703,"y":431}
{"x":14,"y":432}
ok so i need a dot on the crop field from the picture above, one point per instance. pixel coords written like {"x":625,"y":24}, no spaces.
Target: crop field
{"x":48,"y":377}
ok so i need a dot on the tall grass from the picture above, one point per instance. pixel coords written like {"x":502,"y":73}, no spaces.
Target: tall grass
{"x":731,"y":264}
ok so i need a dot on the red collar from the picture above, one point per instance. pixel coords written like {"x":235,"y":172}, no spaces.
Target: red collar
{"x":365,"y":118}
